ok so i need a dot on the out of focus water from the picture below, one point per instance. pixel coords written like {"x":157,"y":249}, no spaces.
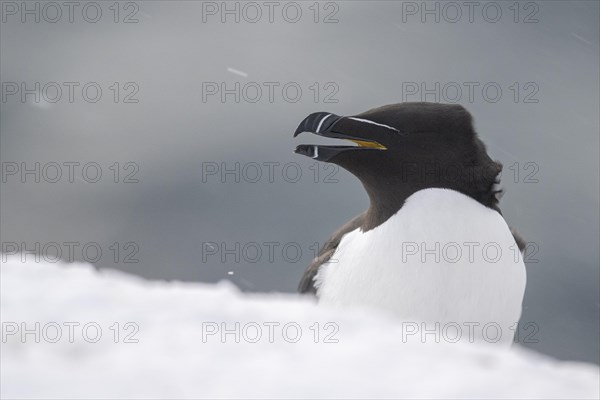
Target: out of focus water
{"x":178,"y":128}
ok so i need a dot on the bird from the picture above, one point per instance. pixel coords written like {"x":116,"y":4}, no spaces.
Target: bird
{"x":432,"y":248}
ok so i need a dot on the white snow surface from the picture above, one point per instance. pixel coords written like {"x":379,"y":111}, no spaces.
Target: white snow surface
{"x":172,"y":359}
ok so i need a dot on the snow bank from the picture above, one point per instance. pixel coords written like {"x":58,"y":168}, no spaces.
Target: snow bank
{"x":122,"y":337}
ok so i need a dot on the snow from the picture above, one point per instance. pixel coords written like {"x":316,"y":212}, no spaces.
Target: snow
{"x":237,"y":72}
{"x":176,"y":356}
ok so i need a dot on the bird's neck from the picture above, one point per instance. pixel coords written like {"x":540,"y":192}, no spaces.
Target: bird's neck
{"x":385,"y":202}
{"x":387,"y":199}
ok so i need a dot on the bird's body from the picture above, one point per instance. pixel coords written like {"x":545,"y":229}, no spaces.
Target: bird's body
{"x":442,"y":258}
{"x":433,"y":246}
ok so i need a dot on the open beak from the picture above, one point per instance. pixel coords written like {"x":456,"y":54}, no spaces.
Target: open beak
{"x":332,"y":126}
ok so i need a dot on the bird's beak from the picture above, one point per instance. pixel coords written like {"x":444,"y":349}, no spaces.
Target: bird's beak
{"x":333,"y":126}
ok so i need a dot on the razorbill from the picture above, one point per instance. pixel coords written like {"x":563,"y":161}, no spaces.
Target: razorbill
{"x":433,"y":247}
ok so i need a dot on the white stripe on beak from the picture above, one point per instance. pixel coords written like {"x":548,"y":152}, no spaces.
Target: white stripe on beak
{"x":321,"y":122}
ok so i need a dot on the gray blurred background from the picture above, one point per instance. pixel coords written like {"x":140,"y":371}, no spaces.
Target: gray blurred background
{"x":544,"y":128}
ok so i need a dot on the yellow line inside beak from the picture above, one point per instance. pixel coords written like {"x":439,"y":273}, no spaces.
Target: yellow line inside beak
{"x":370,"y":145}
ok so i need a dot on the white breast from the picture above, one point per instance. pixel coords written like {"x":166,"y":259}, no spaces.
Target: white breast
{"x":442,"y":261}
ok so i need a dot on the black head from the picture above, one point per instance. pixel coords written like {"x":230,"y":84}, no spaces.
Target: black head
{"x":403,"y":148}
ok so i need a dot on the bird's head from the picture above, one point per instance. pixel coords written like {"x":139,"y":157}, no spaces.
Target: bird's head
{"x":406,"y":147}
